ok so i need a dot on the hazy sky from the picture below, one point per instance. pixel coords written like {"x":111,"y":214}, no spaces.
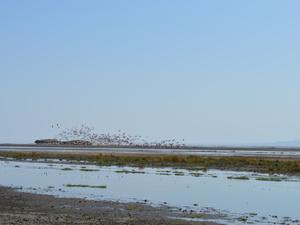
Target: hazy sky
{"x":208,"y":71}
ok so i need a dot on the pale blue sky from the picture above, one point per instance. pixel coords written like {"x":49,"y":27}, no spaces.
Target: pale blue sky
{"x":211,"y":72}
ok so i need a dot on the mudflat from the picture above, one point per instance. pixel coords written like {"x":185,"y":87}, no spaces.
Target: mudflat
{"x":34,"y":209}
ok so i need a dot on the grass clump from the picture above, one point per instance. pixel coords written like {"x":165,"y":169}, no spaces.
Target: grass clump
{"x":129,"y":171}
{"x":88,"y":170}
{"x":276,"y":179}
{"x":178,"y":173}
{"x":66,"y":169}
{"x":239,"y":178}
{"x":164,"y":171}
{"x":84,"y":186}
{"x":194,"y":174}
{"x":163,"y":174}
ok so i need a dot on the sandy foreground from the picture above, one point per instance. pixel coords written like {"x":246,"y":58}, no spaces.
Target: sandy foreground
{"x":30,"y":209}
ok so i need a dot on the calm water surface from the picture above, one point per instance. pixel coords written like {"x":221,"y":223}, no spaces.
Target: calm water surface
{"x":198,"y":190}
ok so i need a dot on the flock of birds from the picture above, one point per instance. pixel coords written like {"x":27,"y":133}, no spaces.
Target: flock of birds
{"x":120,"y":138}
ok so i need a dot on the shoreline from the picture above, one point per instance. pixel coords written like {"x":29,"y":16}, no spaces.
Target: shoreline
{"x":34,"y":209}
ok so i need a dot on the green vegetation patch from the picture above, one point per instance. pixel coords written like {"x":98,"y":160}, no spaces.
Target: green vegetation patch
{"x":276,"y":179}
{"x":253,"y":164}
{"x":204,"y":169}
{"x":84,"y":186}
{"x":66,"y":169}
{"x":129,"y":171}
{"x":195,"y":174}
{"x":164,"y":171}
{"x":163,"y":174}
{"x":88,"y":170}
{"x":239,"y":178}
{"x":178,"y":173}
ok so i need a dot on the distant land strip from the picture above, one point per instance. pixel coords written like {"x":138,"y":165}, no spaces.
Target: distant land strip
{"x":187,"y":147}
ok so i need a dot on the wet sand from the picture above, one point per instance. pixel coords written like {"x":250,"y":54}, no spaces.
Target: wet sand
{"x":33,"y":209}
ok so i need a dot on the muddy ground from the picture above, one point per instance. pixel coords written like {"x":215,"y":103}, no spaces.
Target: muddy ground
{"x":33,"y":209}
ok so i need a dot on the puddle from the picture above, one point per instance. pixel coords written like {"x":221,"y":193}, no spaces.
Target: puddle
{"x":244,"y":197}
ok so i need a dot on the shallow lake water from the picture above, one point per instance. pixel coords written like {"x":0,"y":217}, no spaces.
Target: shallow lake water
{"x":213,"y":191}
